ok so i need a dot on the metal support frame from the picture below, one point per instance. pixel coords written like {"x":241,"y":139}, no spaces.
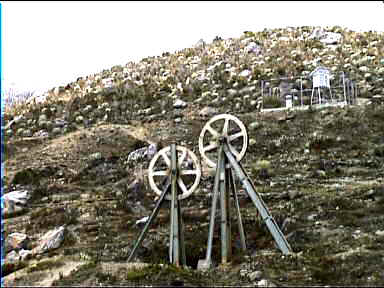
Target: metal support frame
{"x":224,"y":182}
{"x":176,"y":239}
{"x":279,"y":237}
{"x":227,"y":165}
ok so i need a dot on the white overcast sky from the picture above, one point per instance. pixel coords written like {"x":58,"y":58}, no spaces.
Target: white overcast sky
{"x":46,"y":44}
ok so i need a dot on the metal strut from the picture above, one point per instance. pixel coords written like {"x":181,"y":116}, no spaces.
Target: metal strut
{"x":176,"y":239}
{"x":224,"y":181}
{"x":222,"y":186}
{"x":279,"y":237}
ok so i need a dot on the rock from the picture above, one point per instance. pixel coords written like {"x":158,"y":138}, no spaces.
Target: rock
{"x":16,"y":241}
{"x":379,"y":233}
{"x":245,"y":73}
{"x":60,"y":123}
{"x":16,"y":120}
{"x":14,"y":202}
{"x":56,"y":131}
{"x":256,"y":275}
{"x":50,"y":240}
{"x":252,"y":142}
{"x":326,"y":37}
{"x":252,"y":47}
{"x":179,"y":104}
{"x":208,"y":111}
{"x":243,"y":272}
{"x":24,"y":254}
{"x":12,"y":258}
{"x":9,"y":132}
{"x":254,"y":125}
{"x":206,"y":94}
{"x":142,"y":153}
{"x":331,"y":38}
{"x":20,"y":132}
{"x":79,"y":119}
{"x":232,"y":92}
{"x":88,"y":109}
{"x":41,"y":133}
{"x":95,"y":156}
{"x":43,"y":118}
{"x":265,"y":283}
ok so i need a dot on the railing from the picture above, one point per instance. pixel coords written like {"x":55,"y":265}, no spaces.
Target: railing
{"x":300,"y":91}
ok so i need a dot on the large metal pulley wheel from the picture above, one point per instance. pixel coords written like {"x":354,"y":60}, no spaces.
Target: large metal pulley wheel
{"x":223,"y":127}
{"x":189,"y":171}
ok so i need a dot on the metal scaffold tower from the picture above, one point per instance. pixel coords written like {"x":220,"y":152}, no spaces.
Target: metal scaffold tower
{"x":168,"y":168}
{"x":222,"y":142}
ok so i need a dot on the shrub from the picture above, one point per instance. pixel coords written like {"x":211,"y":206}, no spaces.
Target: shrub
{"x":272,"y":102}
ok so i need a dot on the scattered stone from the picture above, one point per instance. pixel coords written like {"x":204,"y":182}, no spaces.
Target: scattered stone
{"x":208,"y":111}
{"x":41,"y":133}
{"x":24,"y":254}
{"x":16,"y":241}
{"x":14,"y":202}
{"x":95,"y":156}
{"x":11,"y":258}
{"x":245,"y":73}
{"x":79,"y":119}
{"x":252,"y":47}
{"x":43,"y":118}
{"x":16,"y":120}
{"x":256,"y":275}
{"x":265,"y":283}
{"x":254,"y":125}
{"x":142,"y":153}
{"x":179,"y":104}
{"x":56,"y":131}
{"x":50,"y":240}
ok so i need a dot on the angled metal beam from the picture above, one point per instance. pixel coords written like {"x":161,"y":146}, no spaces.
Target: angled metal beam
{"x":149,"y":221}
{"x":259,"y":203}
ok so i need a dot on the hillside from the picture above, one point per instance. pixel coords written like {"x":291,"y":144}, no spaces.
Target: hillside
{"x":320,"y":172}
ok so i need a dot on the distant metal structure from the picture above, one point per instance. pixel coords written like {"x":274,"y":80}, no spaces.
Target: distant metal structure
{"x":319,"y":87}
{"x":350,"y":91}
{"x":223,"y":141}
{"x":321,"y":80}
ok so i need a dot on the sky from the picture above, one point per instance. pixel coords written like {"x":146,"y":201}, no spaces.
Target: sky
{"x":47,"y":44}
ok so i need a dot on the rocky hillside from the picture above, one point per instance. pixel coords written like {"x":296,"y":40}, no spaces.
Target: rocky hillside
{"x":320,"y":172}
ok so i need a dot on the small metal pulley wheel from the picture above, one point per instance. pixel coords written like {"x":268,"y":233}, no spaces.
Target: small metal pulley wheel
{"x":227,"y":127}
{"x":189,"y":171}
